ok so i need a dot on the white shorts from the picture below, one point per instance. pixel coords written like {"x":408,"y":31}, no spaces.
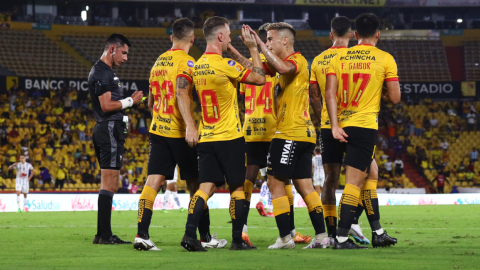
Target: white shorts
{"x":171,"y":181}
{"x":22,"y":186}
{"x":318,"y":180}
{"x":175,"y":177}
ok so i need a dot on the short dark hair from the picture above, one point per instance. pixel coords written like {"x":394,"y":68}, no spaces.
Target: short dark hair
{"x":262,"y":30}
{"x":282,"y":26}
{"x":212,"y":24}
{"x":340,"y":25}
{"x":182,"y":28}
{"x":118,"y":40}
{"x":367,"y":24}
{"x":317,"y":150}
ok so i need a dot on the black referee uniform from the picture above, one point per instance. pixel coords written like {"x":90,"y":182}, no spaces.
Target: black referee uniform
{"x":108,"y":139}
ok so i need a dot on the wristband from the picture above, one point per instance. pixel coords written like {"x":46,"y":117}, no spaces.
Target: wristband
{"x":126,"y":102}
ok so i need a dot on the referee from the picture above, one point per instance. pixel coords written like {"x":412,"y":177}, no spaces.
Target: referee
{"x":109,"y":104}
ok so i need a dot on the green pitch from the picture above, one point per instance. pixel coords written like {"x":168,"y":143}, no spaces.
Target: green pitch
{"x":429,"y":237}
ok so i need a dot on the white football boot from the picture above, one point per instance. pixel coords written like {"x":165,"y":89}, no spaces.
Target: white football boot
{"x":215,"y":242}
{"x":142,"y":244}
{"x":319,"y":241}
{"x":357,"y":234}
{"x":283,"y":243}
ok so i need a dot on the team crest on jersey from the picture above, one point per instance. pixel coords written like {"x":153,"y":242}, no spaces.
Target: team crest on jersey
{"x":239,"y":68}
{"x":189,"y":71}
{"x":190,"y":63}
{"x":231,"y":63}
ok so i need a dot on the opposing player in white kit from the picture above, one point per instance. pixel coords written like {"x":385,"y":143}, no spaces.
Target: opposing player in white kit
{"x":318,"y":173}
{"x":172,"y":190}
{"x":25,"y":172}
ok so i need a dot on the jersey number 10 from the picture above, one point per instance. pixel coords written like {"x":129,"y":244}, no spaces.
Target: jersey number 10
{"x":365,"y":77}
{"x":264,"y":99}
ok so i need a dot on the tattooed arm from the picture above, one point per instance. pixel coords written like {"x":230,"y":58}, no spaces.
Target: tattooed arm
{"x":184,"y":91}
{"x":316,"y":100}
{"x":239,"y":57}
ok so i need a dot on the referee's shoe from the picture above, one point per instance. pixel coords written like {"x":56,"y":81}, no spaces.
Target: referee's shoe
{"x":113,"y":240}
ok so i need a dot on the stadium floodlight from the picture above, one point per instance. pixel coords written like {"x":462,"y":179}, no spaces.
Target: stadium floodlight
{"x":459,"y":20}
{"x":86,"y":8}
{"x":84,"y":15}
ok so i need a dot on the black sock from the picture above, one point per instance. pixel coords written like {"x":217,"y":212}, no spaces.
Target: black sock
{"x":105,"y":213}
{"x":145,"y":211}
{"x":248,"y":187}
{"x":331,"y":223}
{"x":358,"y":213}
{"x":237,"y":204}
{"x":288,"y":190}
{"x":281,"y":210}
{"x":195,"y":212}
{"x":204,"y":225}
{"x":370,"y":201}
{"x":347,"y":209}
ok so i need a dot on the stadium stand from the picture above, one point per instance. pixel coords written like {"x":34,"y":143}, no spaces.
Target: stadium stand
{"x":24,"y":51}
{"x":472,"y":60}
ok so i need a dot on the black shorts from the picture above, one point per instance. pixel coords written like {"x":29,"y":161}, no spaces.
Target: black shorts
{"x":222,"y":160}
{"x":257,"y":153}
{"x":290,"y":159}
{"x":360,"y":147}
{"x":165,"y":153}
{"x":109,"y":140}
{"x":332,"y":150}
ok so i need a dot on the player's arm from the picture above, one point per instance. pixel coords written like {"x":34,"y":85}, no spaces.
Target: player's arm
{"x":331,"y":102}
{"x":316,"y":100}
{"x":12,"y":166}
{"x":280,"y":66}
{"x":257,"y":76}
{"x":392,"y":93}
{"x":109,"y":105}
{"x":184,"y":91}
{"x":151,"y":102}
{"x":32,"y":173}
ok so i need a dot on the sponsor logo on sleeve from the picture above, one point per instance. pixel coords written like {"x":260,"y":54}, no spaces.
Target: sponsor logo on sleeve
{"x":231,"y":63}
{"x":190,"y":63}
{"x":239,"y":68}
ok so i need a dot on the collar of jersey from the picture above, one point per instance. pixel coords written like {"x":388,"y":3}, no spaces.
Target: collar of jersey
{"x":291,"y":55}
{"x":211,"y":53}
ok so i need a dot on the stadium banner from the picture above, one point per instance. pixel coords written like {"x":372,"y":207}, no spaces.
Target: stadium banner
{"x":88,"y":202}
{"x":439,"y":89}
{"x":43,"y":83}
{"x":349,"y":3}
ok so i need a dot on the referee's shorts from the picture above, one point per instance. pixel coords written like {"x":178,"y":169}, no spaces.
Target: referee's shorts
{"x":109,"y":142}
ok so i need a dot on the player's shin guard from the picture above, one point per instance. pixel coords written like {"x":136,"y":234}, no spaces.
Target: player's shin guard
{"x":359,"y":210}
{"x":347,"y":209}
{"x":288,"y":190}
{"x":145,"y":211}
{"x":281,"y":210}
{"x":104,"y":217}
{"x":370,"y":201}
{"x":330,"y":213}
{"x":315,"y":210}
{"x":195,"y":211}
{"x":204,"y":225}
{"x":248,"y":189}
{"x":237,"y":204}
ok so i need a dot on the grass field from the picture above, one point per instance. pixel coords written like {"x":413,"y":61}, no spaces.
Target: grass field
{"x":429,"y":237}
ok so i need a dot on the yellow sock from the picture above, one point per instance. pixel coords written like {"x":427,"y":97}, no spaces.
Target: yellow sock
{"x":281,"y":206}
{"x":288,"y":189}
{"x":330,"y":210}
{"x":147,"y":198}
{"x":369,"y":192}
{"x":193,"y":201}
{"x":351,"y":195}
{"x":248,"y":188}
{"x":313,"y":202}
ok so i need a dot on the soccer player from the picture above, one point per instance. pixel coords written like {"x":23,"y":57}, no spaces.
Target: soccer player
{"x":291,"y":149}
{"x":318,"y":173}
{"x":109,"y":104}
{"x":358,"y":74}
{"x":221,"y":149}
{"x":25,"y":172}
{"x":332,"y":150}
{"x":173,"y":135}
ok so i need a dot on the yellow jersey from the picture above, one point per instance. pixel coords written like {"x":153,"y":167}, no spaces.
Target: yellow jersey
{"x":260,"y":121}
{"x":167,"y":120}
{"x":292,"y":103}
{"x":361,"y":71}
{"x":319,"y":76}
{"x":216,"y":80}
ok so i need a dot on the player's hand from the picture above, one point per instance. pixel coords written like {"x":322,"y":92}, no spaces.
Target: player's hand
{"x":137,"y":97}
{"x":339,"y":134}
{"x":191,"y":136}
{"x":248,"y":38}
{"x":254,"y":34}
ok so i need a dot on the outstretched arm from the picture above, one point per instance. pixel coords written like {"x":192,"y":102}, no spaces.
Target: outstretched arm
{"x":12,"y":166}
{"x":257,"y":76}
